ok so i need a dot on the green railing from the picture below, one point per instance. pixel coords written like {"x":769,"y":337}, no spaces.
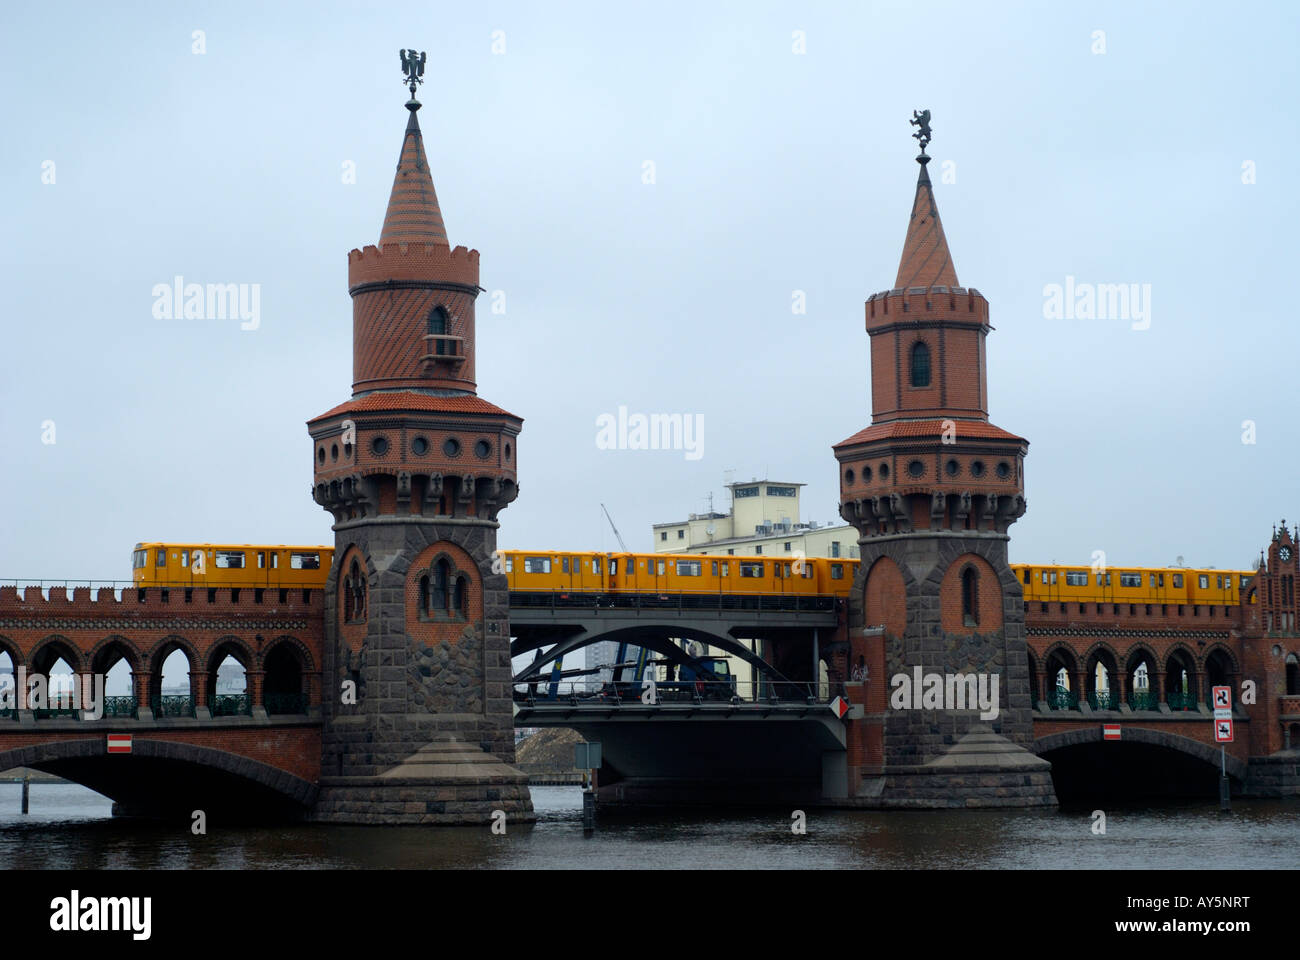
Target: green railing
{"x":1063,"y":699}
{"x":173,"y":706}
{"x":1103,"y":700}
{"x":1181,"y":701}
{"x":232,"y":705}
{"x":119,"y":706}
{"x":286,"y":703}
{"x":1143,"y":700}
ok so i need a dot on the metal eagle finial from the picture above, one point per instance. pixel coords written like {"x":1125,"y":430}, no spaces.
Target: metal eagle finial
{"x":921,"y":119}
{"x":413,"y":68}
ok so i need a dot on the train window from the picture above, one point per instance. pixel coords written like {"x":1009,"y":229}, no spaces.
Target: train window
{"x":137,"y":559}
{"x":1178,"y":581}
{"x":564,"y":564}
{"x":613,"y":567}
{"x":1044,"y":573}
{"x":595,"y":566}
{"x":275,"y":560}
{"x":1242,"y":581}
{"x":230,"y":559}
{"x":715,"y":568}
{"x":1074,"y":578}
{"x":660,"y":568}
{"x":304,"y":561}
{"x":751,"y":569}
{"x":537,"y":564}
{"x":261,"y":559}
{"x":1161,"y":580}
{"x":726,"y":568}
{"x":807,"y":570}
{"x":837,"y":571}
{"x":161,"y":559}
{"x":510,"y":564}
{"x":1218,"y":581}
{"x":787,"y":569}
{"x":1130,"y":579}
{"x":1053,"y":578}
{"x":1205,"y":581}
{"x":1151,"y":580}
{"x":1028,"y":576}
{"x":185,"y":559}
{"x":689,"y":568}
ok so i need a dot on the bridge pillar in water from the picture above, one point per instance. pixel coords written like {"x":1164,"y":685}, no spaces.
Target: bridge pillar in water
{"x":932,"y":487}
{"x":416,"y":702}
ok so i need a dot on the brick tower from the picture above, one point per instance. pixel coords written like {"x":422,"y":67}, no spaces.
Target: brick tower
{"x":932,"y":488}
{"x":418,"y":720}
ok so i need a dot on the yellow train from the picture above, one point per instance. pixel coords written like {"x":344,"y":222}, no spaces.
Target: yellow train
{"x":564,"y":572}
{"x":229,"y":565}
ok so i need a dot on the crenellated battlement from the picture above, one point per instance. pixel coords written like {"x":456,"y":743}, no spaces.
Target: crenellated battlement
{"x":427,"y":263}
{"x":952,"y":304}
{"x":178,"y":600}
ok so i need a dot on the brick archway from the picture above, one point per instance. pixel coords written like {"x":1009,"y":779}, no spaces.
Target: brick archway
{"x":1156,"y":738}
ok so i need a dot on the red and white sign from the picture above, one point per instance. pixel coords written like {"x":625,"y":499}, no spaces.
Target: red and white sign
{"x":1222,"y":697}
{"x":1223,"y":731}
{"x":119,"y":743}
{"x":1110,"y":731}
{"x":839,"y":707}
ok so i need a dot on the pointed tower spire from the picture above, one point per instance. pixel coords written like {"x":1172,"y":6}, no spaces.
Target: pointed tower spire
{"x":926,"y":261}
{"x":413,"y":214}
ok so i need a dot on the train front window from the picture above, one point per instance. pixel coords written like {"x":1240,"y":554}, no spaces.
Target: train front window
{"x":162,"y":557}
{"x":138,"y":559}
{"x":304,"y":561}
{"x":230,"y":559}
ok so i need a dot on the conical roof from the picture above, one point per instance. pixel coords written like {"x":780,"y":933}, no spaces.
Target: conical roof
{"x":413,"y":214}
{"x":926,"y":261}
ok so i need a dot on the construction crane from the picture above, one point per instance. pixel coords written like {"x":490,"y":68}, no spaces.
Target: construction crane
{"x":619,"y":536}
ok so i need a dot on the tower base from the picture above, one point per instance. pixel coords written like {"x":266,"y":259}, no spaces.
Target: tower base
{"x":447,"y":781}
{"x":983,"y":769}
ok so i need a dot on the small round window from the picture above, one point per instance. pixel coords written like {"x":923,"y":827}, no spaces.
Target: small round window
{"x":507,"y":451}
{"x":451,"y":447}
{"x":848,"y":476}
{"x":419,"y":446}
{"x":334,"y":452}
{"x":951,"y":468}
{"x":866,"y":474}
{"x":977,"y":468}
{"x":915,"y":468}
{"x":884,"y":471}
{"x":379,"y":446}
{"x":320,"y":454}
{"x":482,"y":449}
{"x":1004,"y":470}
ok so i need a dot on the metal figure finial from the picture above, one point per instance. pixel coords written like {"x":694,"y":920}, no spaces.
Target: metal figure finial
{"x":921,"y":119}
{"x":413,"y":67}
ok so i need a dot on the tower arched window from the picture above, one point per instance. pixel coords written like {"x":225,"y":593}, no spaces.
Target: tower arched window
{"x":354,"y":586}
{"x":424,"y":595}
{"x":441,"y":576}
{"x":920,"y":365}
{"x":970,"y":597}
{"x":459,"y":601}
{"x":438,"y":328}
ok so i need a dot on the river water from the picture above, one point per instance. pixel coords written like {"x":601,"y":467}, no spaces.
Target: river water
{"x":70,"y":827}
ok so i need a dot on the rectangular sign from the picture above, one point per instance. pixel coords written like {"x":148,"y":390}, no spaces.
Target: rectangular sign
{"x":1223,"y":731}
{"x":119,"y":743}
{"x":1110,"y":731}
{"x":1221,"y":698}
{"x":586,"y":756}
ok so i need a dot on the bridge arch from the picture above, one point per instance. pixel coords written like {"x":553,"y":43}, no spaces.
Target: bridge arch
{"x":104,"y":655}
{"x":287,"y":667}
{"x":1179,"y":659}
{"x":16,"y":658}
{"x":1221,"y":668}
{"x":1060,"y":656}
{"x":1103,"y":654}
{"x":1155,"y":738}
{"x":1142,"y":655}
{"x":134,"y":780}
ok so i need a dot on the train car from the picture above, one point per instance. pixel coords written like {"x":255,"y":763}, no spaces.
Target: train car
{"x":230,"y":565}
{"x":1131,"y":586}
{"x":553,"y":571}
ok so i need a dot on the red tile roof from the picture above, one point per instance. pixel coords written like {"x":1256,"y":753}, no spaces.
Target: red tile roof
{"x":926,"y":259}
{"x":406,"y":400}
{"x":911,"y":429}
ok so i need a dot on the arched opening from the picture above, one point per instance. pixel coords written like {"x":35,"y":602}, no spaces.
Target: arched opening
{"x":228,"y":693}
{"x":1103,"y":681}
{"x":1142,"y":692}
{"x":1219,"y":673}
{"x":461,"y":596}
{"x":354,"y":593}
{"x":283,"y":691}
{"x":113,"y":662}
{"x":170,"y":691}
{"x":8,"y":686}
{"x":1292,"y":675}
{"x":424,"y":595}
{"x":970,"y":597}
{"x":441,"y":578}
{"x":1059,"y":673}
{"x":53,"y":681}
{"x":438,"y":328}
{"x":1180,"y":681}
{"x":920,"y":366}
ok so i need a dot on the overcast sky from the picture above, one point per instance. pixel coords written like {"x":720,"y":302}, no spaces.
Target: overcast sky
{"x":774,"y":172}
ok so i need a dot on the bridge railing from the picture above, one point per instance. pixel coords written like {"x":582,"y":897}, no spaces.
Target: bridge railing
{"x":571,"y":600}
{"x":684,"y":692}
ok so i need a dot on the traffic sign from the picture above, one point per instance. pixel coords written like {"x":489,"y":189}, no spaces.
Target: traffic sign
{"x":1110,"y":731}
{"x":1222,"y":699}
{"x":119,"y":743}
{"x":839,"y":707}
{"x":1222,"y":731}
